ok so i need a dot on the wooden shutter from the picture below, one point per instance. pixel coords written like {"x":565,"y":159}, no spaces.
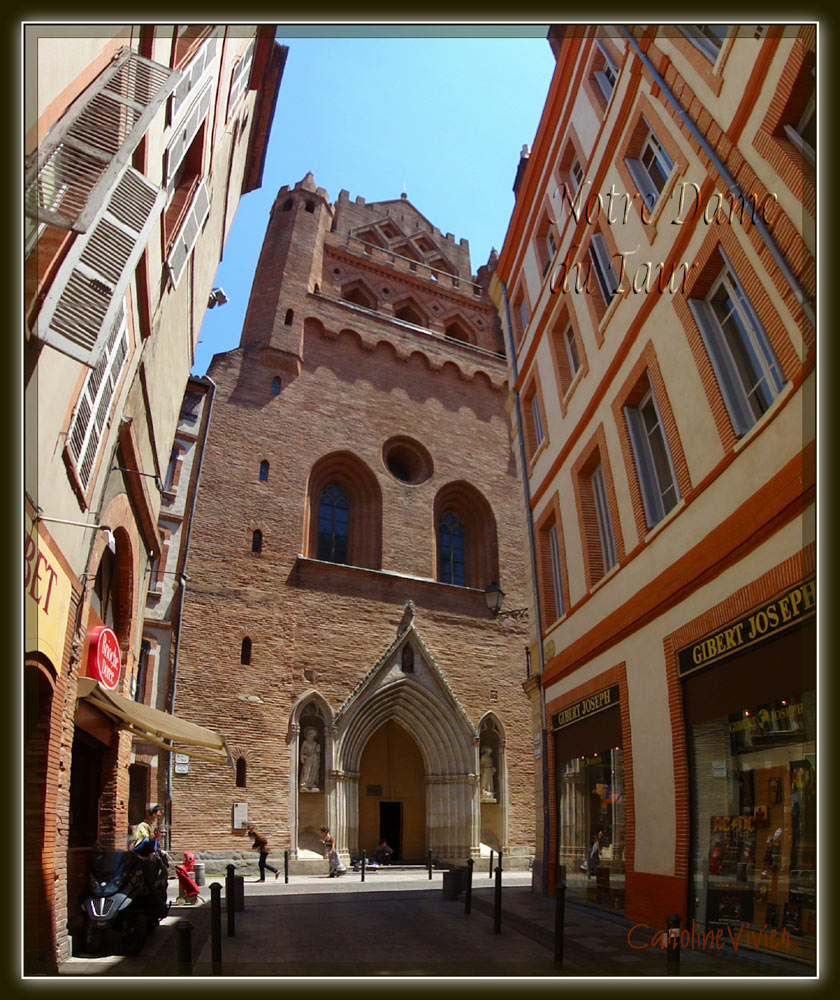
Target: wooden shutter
{"x":79,"y":160}
{"x":187,"y":237}
{"x":193,"y":72}
{"x":186,"y":132}
{"x":86,"y":295}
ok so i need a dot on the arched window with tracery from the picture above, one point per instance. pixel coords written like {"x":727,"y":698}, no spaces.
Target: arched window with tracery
{"x":344,"y":512}
{"x":451,"y":550}
{"x":467,"y":550}
{"x":333,"y":524}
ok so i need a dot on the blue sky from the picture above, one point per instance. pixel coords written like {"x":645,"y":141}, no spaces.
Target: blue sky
{"x":444,"y":118}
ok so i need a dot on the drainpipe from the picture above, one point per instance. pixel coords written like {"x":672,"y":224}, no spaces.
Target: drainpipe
{"x":537,"y":606}
{"x":729,"y":180}
{"x":182,"y":580}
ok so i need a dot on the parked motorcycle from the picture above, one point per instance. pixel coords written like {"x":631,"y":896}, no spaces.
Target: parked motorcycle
{"x":126,"y":899}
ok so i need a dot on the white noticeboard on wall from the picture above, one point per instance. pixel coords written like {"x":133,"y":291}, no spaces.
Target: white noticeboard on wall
{"x":240,"y":815}
{"x":182,"y":763}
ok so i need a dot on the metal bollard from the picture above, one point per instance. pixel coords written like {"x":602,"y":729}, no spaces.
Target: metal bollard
{"x":468,"y":893}
{"x":430,"y":864}
{"x":673,"y":921}
{"x":216,"y":927}
{"x":364,"y":861}
{"x":497,"y":905}
{"x":559,"y":920}
{"x":286,"y":867}
{"x":184,"y":929}
{"x":490,"y":871}
{"x":230,"y":901}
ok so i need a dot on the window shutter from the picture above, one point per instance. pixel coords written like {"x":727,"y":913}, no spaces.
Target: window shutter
{"x":187,"y":237}
{"x":654,"y":511}
{"x":186,"y":132}
{"x":727,"y":378}
{"x":79,"y":160}
{"x":193,"y":73}
{"x":604,"y":267}
{"x":240,"y":76}
{"x":643,"y":182}
{"x":86,"y":295}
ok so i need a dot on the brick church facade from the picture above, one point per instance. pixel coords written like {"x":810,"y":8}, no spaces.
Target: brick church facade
{"x":358,"y":495}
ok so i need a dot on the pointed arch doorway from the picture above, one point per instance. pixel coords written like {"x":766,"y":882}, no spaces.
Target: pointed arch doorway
{"x":392,"y":794}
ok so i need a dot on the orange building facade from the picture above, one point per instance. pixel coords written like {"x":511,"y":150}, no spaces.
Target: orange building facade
{"x":657,"y":288}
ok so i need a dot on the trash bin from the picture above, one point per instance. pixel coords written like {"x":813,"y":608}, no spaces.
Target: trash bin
{"x":198,"y":872}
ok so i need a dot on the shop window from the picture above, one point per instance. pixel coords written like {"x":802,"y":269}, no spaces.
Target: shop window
{"x":746,"y":368}
{"x":654,"y":465}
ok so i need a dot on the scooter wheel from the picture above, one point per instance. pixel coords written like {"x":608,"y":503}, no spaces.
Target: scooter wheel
{"x":93,"y":939}
{"x":133,"y":932}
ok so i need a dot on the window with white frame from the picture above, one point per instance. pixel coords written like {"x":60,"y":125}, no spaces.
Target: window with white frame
{"x":651,"y":169}
{"x":556,"y":571}
{"x":602,"y":511}
{"x":601,"y":265}
{"x":90,"y":417}
{"x":575,"y":175}
{"x":605,"y":72}
{"x":803,"y":132}
{"x":536,"y":417}
{"x":708,"y":38}
{"x":571,"y":351}
{"x":745,"y":365}
{"x":654,"y":466}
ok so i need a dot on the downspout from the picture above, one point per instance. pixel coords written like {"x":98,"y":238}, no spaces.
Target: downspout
{"x":182,"y":580}
{"x":537,"y":607}
{"x":770,"y":243}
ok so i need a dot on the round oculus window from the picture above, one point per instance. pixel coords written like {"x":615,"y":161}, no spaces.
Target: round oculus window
{"x":407,"y":460}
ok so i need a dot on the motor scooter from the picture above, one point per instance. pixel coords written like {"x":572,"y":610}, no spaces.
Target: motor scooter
{"x":126,"y":899}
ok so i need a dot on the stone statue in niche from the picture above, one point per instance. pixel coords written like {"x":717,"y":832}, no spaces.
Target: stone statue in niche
{"x":310,"y":761}
{"x":488,"y":775}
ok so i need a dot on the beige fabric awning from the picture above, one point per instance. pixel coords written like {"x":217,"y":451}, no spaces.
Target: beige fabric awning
{"x":153,"y":725}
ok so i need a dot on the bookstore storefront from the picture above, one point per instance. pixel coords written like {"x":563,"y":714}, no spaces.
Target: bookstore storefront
{"x":749,"y":699}
{"x":590,"y":822}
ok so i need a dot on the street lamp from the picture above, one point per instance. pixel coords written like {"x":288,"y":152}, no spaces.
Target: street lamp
{"x":494,"y":595}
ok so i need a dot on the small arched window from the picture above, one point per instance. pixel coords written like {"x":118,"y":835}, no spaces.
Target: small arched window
{"x":275,"y":385}
{"x":256,"y":541}
{"x":241,"y":770}
{"x":287,"y":205}
{"x":245,"y":653}
{"x":264,"y":471}
{"x":290,"y":317}
{"x":310,"y":206}
{"x":451,"y":550}
{"x":333,"y":524}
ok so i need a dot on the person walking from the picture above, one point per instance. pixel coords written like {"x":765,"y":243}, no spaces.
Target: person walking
{"x":336,"y":867}
{"x":261,"y":844}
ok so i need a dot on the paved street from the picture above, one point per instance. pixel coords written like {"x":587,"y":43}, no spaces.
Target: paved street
{"x":399,"y":924}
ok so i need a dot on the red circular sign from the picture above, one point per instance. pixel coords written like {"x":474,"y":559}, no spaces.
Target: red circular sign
{"x":104,"y":661}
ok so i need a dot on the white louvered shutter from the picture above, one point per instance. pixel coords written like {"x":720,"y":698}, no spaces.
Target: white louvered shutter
{"x":240,"y":76}
{"x":86,"y":295}
{"x":187,"y":237}
{"x":193,"y":73}
{"x":90,"y":417}
{"x":186,"y":132}
{"x":80,"y":158}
